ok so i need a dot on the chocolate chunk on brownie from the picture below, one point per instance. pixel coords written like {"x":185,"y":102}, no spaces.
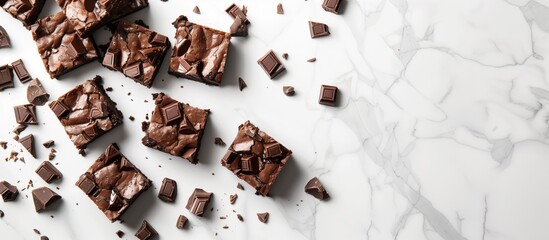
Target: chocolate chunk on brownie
{"x":26,"y":11}
{"x":175,"y":128}
{"x":113,"y":183}
{"x":60,"y":48}
{"x":256,"y":158}
{"x":199,"y":52}
{"x":86,"y":112}
{"x":136,"y":51}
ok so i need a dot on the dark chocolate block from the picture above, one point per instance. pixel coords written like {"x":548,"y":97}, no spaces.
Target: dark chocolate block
{"x":8,"y":191}
{"x":198,"y":201}
{"x":26,"y":11}
{"x":25,"y":114}
{"x":6,"y":77}
{"x":271,"y":64}
{"x":48,"y":172}
{"x":113,"y":183}
{"x":199,"y":52}
{"x":175,"y":128}
{"x":146,"y":232}
{"x":60,"y":48}
{"x":318,"y":29}
{"x":88,"y":15}
{"x":332,"y":6}
{"x":36,"y":94}
{"x":43,"y":198}
{"x":256,"y":158}
{"x":28,"y":143}
{"x":136,"y":51}
{"x":86,"y":112}
{"x":328,"y":95}
{"x":21,"y":71}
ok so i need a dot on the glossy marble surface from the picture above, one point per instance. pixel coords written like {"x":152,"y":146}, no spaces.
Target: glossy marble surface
{"x":440,"y":133}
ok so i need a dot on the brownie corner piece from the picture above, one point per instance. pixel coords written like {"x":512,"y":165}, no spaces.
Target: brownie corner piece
{"x":205,"y":63}
{"x":86,"y":112}
{"x":113,"y":183}
{"x":136,"y":51}
{"x":256,"y":158}
{"x":175,"y":128}
{"x":23,"y":10}
{"x":60,"y":48}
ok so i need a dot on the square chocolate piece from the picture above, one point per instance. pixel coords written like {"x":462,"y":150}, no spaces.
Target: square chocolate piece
{"x":175,"y":128}
{"x":26,"y":11}
{"x":271,"y":64}
{"x":199,"y":52}
{"x":332,"y":6}
{"x":60,"y":48}
{"x":256,"y":158}
{"x":113,"y":183}
{"x":136,"y":51}
{"x":86,"y":112}
{"x":318,"y":29}
{"x":328,"y":95}
{"x":88,"y":15}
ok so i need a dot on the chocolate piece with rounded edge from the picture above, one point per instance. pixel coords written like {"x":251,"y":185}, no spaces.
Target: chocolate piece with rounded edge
{"x":6,"y":77}
{"x":48,"y":172}
{"x":136,"y":51}
{"x":332,"y":6}
{"x":288,"y":90}
{"x":9,"y":192}
{"x":113,"y":183}
{"x":43,"y":198}
{"x":4,"y":38}
{"x":263,"y":217}
{"x":168,"y":190}
{"x":271,"y":65}
{"x":318,"y":29}
{"x":175,"y":128}
{"x":23,"y":10}
{"x":315,"y":188}
{"x":256,"y":158}
{"x":198,"y":201}
{"x":86,"y":112}
{"x":28,"y":143}
{"x":36,"y":94}
{"x":181,"y":222}
{"x":199,"y":52}
{"x":54,"y":36}
{"x":146,"y":231}
{"x":328,"y":95}
{"x":25,"y":114}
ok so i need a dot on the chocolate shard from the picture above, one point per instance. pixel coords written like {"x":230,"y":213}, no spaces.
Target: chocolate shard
{"x":25,"y":114}
{"x":241,"y":84}
{"x":332,"y":6}
{"x":232,"y":198}
{"x":235,"y":12}
{"x":315,"y":188}
{"x":328,"y":95}
{"x":279,"y":9}
{"x":239,"y":186}
{"x":198,"y":201}
{"x":239,"y":28}
{"x":181,"y":222}
{"x":219,"y":141}
{"x":43,"y":198}
{"x":196,"y":10}
{"x":120,"y":234}
{"x":4,"y":38}
{"x":271,"y":65}
{"x":48,"y":172}
{"x":146,"y":231}
{"x":263,"y":217}
{"x":36,"y":94}
{"x":28,"y":143}
{"x":318,"y":29}
{"x":21,"y":71}
{"x":19,"y":129}
{"x":6,"y":77}
{"x":8,"y":191}
{"x":48,"y":143}
{"x":288,"y":90}
{"x":168,"y":190}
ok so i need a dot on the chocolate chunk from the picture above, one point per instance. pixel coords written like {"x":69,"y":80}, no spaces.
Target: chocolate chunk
{"x":256,"y":158}
{"x":328,"y":95}
{"x":279,"y":9}
{"x":4,"y":38}
{"x":263,"y":217}
{"x":198,"y":201}
{"x":28,"y":143}
{"x":44,"y":238}
{"x":50,"y":34}
{"x":120,"y":234}
{"x":3,"y":145}
{"x":239,"y":28}
{"x":23,"y":10}
{"x":239,"y":186}
{"x":219,"y":141}
{"x":19,"y":129}
{"x":48,"y":172}
{"x":43,"y":198}
{"x":235,"y":12}
{"x":25,"y":114}
{"x":196,"y":10}
{"x":175,"y":128}
{"x":332,"y":6}
{"x":232,"y":198}
{"x":168,"y":190}
{"x":199,"y":53}
{"x":6,"y":77}
{"x":89,"y":15}
{"x":113,"y":183}
{"x":288,"y":90}
{"x":9,"y":192}
{"x":318,"y":29}
{"x":315,"y":188}
{"x":86,"y":112}
{"x":21,"y":71}
{"x":241,"y":84}
{"x":36,"y":94}
{"x":271,"y":65}
{"x":136,"y":51}
{"x":48,"y":143}
{"x":285,"y":56}
{"x":181,"y":222}
{"x":146,"y":231}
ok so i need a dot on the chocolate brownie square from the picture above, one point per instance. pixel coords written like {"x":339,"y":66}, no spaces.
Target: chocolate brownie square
{"x":136,"y":51}
{"x":60,"y":48}
{"x":86,"y":112}
{"x":113,"y":183}
{"x":26,"y":11}
{"x":256,"y":158}
{"x":199,"y":52}
{"x":175,"y":128}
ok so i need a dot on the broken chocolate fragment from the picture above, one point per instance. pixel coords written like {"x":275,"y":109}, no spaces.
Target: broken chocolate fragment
{"x":146,"y":231}
{"x":235,"y":12}
{"x":28,"y":143}
{"x":168,"y":190}
{"x":239,"y":28}
{"x":43,"y":198}
{"x":271,"y":65}
{"x":241,"y":84}
{"x":332,"y":6}
{"x":19,"y":129}
{"x":219,"y":141}
{"x":196,"y":10}
{"x":120,"y":234}
{"x":311,"y":60}
{"x":48,"y":172}
{"x":3,"y":145}
{"x":48,"y":143}
{"x":318,"y":29}
{"x":181,"y":222}
{"x":198,"y":201}
{"x":279,"y":9}
{"x":36,"y":94}
{"x":232,"y":198}
{"x":288,"y":90}
{"x":4,"y":38}
{"x":315,"y":188}
{"x":263,"y":217}
{"x":8,"y":191}
{"x":25,"y":114}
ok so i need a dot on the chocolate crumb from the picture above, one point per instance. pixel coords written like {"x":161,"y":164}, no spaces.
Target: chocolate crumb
{"x":225,"y":227}
{"x":241,"y":84}
{"x":279,"y":9}
{"x":285,"y":56}
{"x":48,"y":144}
{"x":132,"y":118}
{"x":196,"y":10}
{"x":240,"y":218}
{"x":311,"y":60}
{"x":263,"y":217}
{"x":36,"y":231}
{"x":233,"y":198}
{"x":239,"y":186}
{"x":82,"y":152}
{"x":109,"y":89}
{"x":3,"y":145}
{"x":219,"y":141}
{"x":120,"y":234}
{"x":288,"y":90}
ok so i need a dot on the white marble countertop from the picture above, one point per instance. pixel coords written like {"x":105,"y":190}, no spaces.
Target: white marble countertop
{"x":441,"y":131}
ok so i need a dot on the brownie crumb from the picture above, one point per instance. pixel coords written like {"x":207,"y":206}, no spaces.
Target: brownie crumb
{"x":109,"y":89}
{"x":233,"y":198}
{"x":240,"y":218}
